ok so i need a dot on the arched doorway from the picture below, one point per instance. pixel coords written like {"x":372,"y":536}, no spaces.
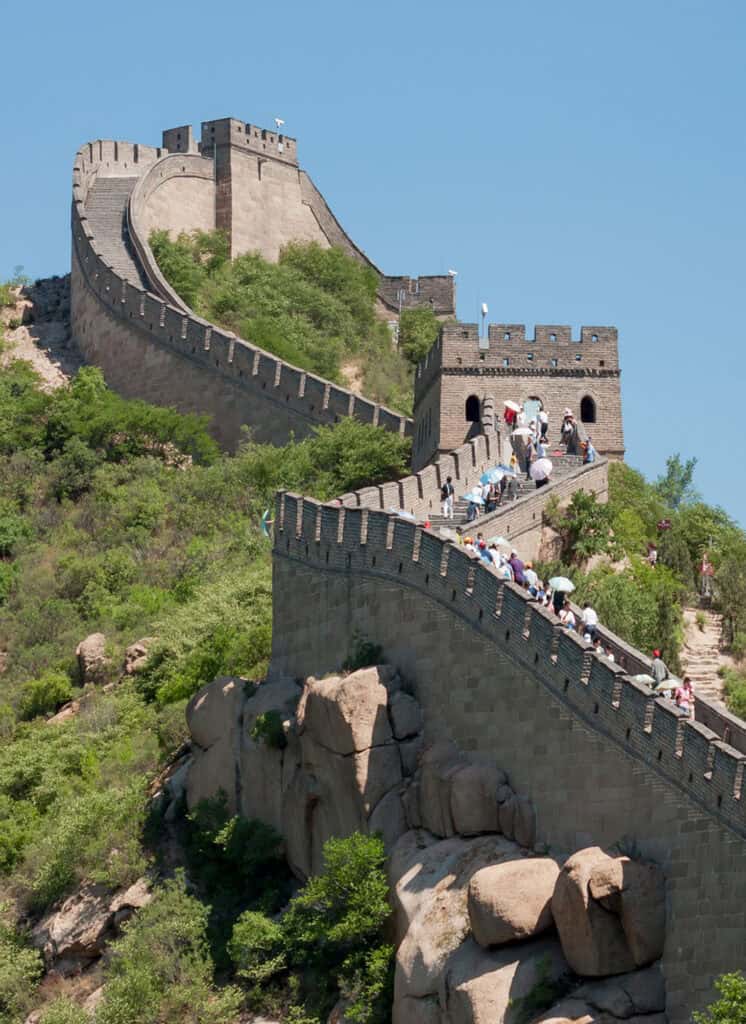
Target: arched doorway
{"x":471,"y":410}
{"x":587,"y":410}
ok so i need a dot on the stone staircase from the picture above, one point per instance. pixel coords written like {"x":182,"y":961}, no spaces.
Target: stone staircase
{"x":106,"y":209}
{"x":563,"y":465}
{"x":701,"y":655}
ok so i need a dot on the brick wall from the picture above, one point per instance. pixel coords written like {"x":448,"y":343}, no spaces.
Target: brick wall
{"x":151,"y":349}
{"x":598,"y":756}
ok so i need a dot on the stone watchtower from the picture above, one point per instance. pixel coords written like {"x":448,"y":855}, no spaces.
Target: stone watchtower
{"x":462,"y":383}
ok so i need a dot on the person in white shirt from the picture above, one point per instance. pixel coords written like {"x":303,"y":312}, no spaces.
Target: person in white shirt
{"x":589,"y":619}
{"x":543,"y":425}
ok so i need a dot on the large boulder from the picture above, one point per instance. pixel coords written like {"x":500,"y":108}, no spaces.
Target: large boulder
{"x":474,"y":806}
{"x":592,"y":934}
{"x":76,"y":933}
{"x":262,"y":763}
{"x":636,"y":892}
{"x":482,"y":986}
{"x":571,"y":1011}
{"x":136,"y":655}
{"x":512,"y":900}
{"x":214,"y":719}
{"x":347,"y":714}
{"x":93,"y":663}
{"x":430,"y":882}
{"x":438,"y":764}
{"x":627,"y":995}
{"x":406,"y":715}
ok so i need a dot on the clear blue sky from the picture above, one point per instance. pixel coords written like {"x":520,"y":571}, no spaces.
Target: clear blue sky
{"x":577,"y":163}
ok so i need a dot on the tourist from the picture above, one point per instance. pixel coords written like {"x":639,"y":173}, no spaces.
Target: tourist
{"x":446,"y":497}
{"x":529,"y":452}
{"x":609,"y":654}
{"x":530,"y":576}
{"x":652,"y":554}
{"x":558,"y":601}
{"x":483,"y":552}
{"x":469,"y":544}
{"x":543,"y":424}
{"x":589,"y":452}
{"x":589,"y":619}
{"x":658,"y":669}
{"x":472,"y":511}
{"x":517,"y":566}
{"x":684,"y":697}
{"x":567,"y":616}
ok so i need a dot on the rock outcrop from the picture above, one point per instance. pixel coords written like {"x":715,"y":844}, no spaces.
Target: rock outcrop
{"x":93,"y":663}
{"x":512,"y":900}
{"x":75,"y":934}
{"x":610,"y":912}
{"x":483,"y":918}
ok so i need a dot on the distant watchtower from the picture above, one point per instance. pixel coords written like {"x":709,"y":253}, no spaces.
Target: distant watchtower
{"x":463,"y":382}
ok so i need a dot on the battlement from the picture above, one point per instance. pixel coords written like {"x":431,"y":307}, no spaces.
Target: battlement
{"x":268,"y":142}
{"x":437,"y":291}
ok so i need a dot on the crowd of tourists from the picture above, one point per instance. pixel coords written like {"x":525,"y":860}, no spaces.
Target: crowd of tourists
{"x":529,"y":455}
{"x":529,"y":443}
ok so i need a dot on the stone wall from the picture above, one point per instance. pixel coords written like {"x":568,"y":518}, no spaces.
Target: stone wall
{"x":552,"y":367}
{"x":149,"y":348}
{"x":601,"y":760}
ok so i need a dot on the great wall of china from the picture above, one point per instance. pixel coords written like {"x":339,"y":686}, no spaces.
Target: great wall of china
{"x":598,"y":756}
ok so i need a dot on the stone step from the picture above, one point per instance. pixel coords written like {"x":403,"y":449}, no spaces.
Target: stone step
{"x":106,"y":208}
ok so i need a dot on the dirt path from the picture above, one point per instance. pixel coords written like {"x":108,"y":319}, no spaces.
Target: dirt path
{"x":702,"y":655}
{"x":41,"y":335}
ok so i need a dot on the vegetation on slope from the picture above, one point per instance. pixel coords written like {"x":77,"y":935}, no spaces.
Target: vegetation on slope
{"x":640,"y":603}
{"x":315,"y":308}
{"x":123,"y":518}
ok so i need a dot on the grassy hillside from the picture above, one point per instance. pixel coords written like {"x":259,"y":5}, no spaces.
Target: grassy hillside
{"x":122,"y":518}
{"x":314,"y":308}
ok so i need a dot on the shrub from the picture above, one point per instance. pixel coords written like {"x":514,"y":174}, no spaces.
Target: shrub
{"x":418,"y":329}
{"x":730,"y":1008}
{"x":20,"y":971}
{"x":160,"y":970}
{"x":364,"y":654}
{"x":268,"y":727}
{"x":734,"y":687}
{"x":701,"y":621}
{"x":256,"y":947}
{"x":64,"y":1011}
{"x":40,"y":696}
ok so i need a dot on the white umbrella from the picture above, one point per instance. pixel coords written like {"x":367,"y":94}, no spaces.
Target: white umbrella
{"x":523,"y":432}
{"x":402,"y":513}
{"x":541,"y":469}
{"x":562,"y":584}
{"x":499,"y":541}
{"x":513,"y":405}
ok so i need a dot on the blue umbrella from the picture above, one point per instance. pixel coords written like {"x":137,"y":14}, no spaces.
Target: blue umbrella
{"x":473,"y":497}
{"x":506,"y":470}
{"x":492,"y":476}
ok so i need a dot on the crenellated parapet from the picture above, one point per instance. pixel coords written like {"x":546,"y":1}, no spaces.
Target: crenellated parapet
{"x":151,"y":348}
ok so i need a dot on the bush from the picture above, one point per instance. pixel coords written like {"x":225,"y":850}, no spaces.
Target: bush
{"x":40,"y":696}
{"x":734,"y":688}
{"x":364,"y":654}
{"x":161,"y":972}
{"x":20,"y":971}
{"x":268,"y":727}
{"x":64,"y":1011}
{"x":256,"y":947}
{"x":730,"y":1008}
{"x":418,"y":329}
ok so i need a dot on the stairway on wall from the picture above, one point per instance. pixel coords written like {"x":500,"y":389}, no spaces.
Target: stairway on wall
{"x":701,"y":656}
{"x":106,"y":209}
{"x":563,"y":466}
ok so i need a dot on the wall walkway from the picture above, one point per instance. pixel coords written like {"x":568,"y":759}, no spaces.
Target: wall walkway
{"x":600,"y":758}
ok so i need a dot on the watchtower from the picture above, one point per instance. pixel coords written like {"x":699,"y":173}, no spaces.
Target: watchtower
{"x":463,"y":382}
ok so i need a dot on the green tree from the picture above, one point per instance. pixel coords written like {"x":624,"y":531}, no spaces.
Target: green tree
{"x":675,"y":486}
{"x":730,"y":1008}
{"x":20,"y":971}
{"x":418,"y":329}
{"x":161,"y":972}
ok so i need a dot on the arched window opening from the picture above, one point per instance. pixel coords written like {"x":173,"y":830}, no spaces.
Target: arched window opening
{"x":587,"y":410}
{"x":472,"y":409}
